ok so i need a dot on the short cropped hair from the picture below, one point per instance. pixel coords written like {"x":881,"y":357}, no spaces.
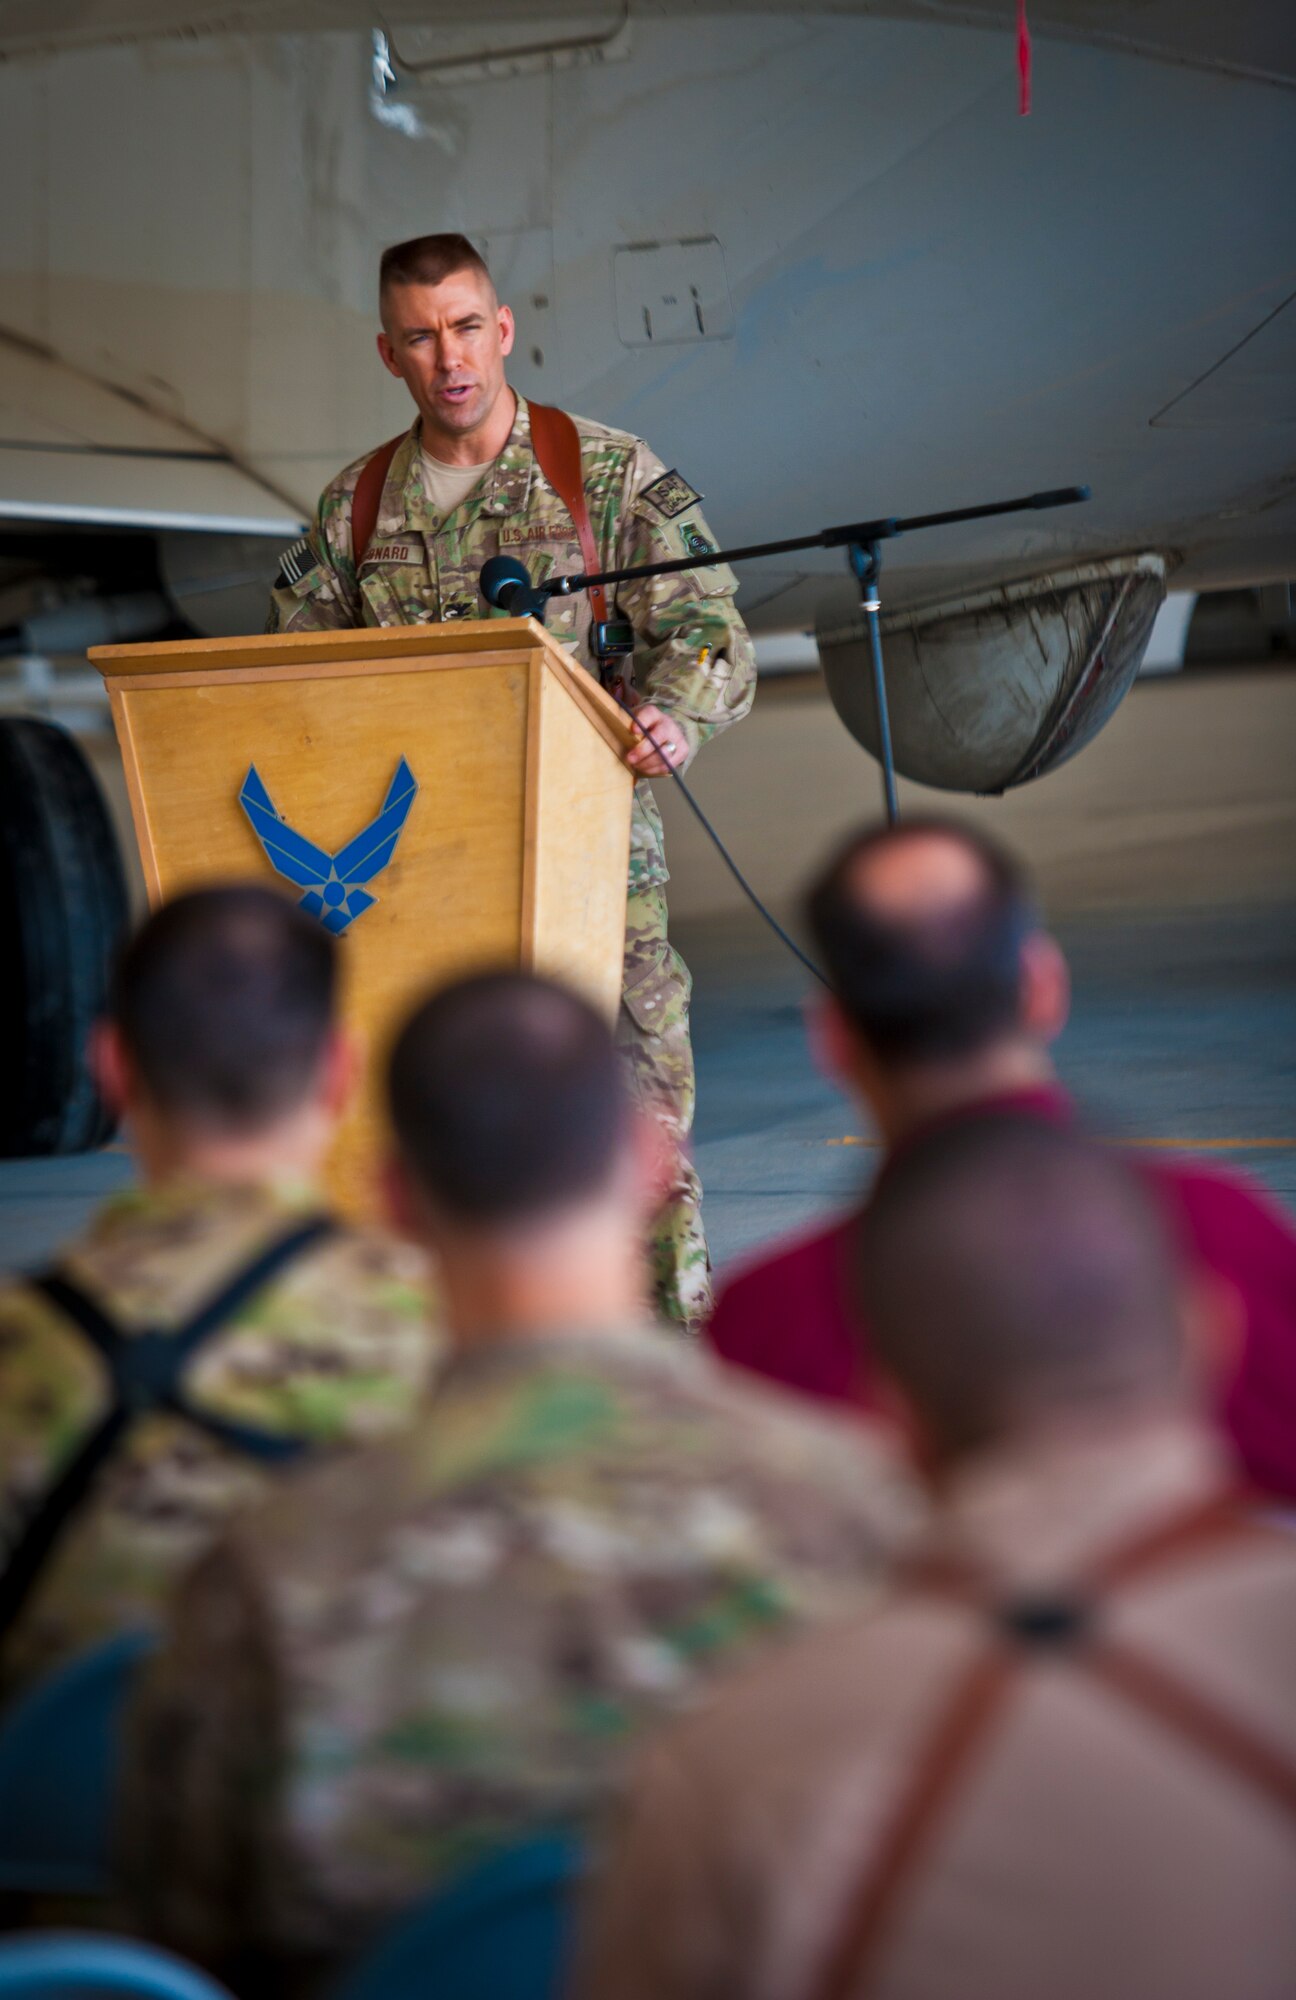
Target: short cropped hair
{"x":507,"y":1099}
{"x":1007,"y":1267}
{"x":429,"y":260}
{"x":224,"y":1000}
{"x":937,"y":985}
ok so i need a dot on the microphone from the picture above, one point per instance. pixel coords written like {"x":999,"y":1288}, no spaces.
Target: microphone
{"x":506,"y":583}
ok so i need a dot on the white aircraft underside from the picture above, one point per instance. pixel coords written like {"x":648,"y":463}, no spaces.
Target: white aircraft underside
{"x":814,"y":255}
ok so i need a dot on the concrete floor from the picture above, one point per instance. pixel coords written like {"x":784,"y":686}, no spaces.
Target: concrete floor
{"x":1183,"y":1029}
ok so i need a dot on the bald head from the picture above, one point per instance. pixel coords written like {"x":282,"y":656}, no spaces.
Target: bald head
{"x":1010,"y":1269}
{"x":507,"y":1100}
{"x":921,"y":929}
{"x":919,"y":874}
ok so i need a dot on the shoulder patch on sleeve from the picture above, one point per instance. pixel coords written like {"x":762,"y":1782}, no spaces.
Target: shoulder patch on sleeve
{"x":695,"y":542}
{"x":294,"y":563}
{"x":670,"y":495}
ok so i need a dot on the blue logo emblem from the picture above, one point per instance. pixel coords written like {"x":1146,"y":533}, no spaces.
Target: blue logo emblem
{"x":333,"y":882}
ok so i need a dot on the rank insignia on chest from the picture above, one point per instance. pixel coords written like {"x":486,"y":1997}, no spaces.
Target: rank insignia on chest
{"x":513,"y":534}
{"x":334,"y":883}
{"x":393,"y":552}
{"x":670,"y":495}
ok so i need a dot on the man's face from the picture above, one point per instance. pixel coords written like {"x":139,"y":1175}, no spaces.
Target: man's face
{"x":447,"y":344}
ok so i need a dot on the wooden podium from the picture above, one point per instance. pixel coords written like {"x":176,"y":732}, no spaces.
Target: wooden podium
{"x":443,"y":797}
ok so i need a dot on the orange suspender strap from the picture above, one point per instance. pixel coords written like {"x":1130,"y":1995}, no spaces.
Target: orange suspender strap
{"x":367,"y":498}
{"x":980,"y":1699}
{"x":556,"y":443}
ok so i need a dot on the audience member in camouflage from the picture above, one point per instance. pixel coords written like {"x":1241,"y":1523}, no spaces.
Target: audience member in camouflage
{"x":694,"y":668}
{"x":221,"y":1050}
{"x":338,"y":1348}
{"x":437,"y":1645}
{"x":464,"y":1631}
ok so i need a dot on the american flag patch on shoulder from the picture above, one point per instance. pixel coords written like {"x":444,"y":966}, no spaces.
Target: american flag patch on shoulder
{"x":294,"y":563}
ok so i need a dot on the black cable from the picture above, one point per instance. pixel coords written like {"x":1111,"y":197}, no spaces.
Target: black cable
{"x":719,"y":845}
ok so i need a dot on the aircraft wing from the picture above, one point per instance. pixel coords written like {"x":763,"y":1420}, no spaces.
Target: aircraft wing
{"x":76,"y":450}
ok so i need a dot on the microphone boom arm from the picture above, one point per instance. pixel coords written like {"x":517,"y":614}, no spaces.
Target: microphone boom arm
{"x":862,"y":541}
{"x":852,"y":534}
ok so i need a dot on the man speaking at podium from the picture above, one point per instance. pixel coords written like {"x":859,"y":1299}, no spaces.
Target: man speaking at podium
{"x":400,"y":538}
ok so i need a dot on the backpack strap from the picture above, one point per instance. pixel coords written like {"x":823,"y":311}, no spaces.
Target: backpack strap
{"x":146,"y":1370}
{"x":367,"y":498}
{"x":965,"y":1727}
{"x":556,"y":443}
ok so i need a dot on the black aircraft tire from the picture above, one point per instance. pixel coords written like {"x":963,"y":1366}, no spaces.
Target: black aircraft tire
{"x":63,"y":912}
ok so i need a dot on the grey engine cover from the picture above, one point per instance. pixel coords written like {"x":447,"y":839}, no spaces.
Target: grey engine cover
{"x":989,"y":691}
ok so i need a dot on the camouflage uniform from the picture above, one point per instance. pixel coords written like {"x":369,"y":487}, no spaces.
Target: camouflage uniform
{"x":424,"y":1651}
{"x":421,"y":568}
{"x":339,"y":1346}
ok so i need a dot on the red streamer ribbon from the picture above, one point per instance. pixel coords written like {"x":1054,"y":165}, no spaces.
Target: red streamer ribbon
{"x":1023,"y":60}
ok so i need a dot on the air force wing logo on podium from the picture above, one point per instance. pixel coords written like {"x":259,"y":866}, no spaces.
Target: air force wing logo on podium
{"x":334,"y":883}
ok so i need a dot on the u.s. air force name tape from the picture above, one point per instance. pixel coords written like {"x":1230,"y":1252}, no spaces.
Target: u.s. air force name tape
{"x":513,"y":535}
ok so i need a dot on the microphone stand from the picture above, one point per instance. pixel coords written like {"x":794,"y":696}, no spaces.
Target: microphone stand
{"x":862,"y":541}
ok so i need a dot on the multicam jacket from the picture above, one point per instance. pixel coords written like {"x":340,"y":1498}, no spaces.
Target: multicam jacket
{"x":437,"y":1645}
{"x":693,"y":658}
{"x":338,"y":1347}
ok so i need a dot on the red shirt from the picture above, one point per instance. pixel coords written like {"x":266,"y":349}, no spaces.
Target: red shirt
{"x":787,"y":1315}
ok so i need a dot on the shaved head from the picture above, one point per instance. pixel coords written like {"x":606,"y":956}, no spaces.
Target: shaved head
{"x":224,"y":1001}
{"x":921,"y":928}
{"x":507,"y":1100}
{"x":1008,"y":1268}
{"x":430,"y":260}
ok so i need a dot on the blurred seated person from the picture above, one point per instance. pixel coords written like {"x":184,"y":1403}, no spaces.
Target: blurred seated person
{"x":946,"y":996}
{"x":1060,"y":1759}
{"x":449,"y":1642}
{"x":215,"y":1319}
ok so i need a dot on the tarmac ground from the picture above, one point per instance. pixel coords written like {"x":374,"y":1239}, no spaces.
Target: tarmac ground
{"x":1183,"y":1034}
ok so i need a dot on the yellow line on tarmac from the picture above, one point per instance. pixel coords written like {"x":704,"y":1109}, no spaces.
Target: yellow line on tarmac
{"x":1210,"y":1145}
{"x":1170,"y":1145}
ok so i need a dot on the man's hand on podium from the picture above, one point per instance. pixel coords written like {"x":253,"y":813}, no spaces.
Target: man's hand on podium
{"x":668,"y":750}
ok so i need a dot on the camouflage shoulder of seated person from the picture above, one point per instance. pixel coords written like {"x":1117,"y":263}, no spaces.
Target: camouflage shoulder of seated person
{"x":341,"y":1347}
{"x":468,"y":1630}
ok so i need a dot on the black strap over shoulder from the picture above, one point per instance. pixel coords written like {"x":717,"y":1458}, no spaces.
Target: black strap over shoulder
{"x":147,"y":1370}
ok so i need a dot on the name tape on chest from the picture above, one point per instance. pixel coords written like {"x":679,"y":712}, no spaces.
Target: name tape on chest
{"x":406,"y":551}
{"x":670,"y":495}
